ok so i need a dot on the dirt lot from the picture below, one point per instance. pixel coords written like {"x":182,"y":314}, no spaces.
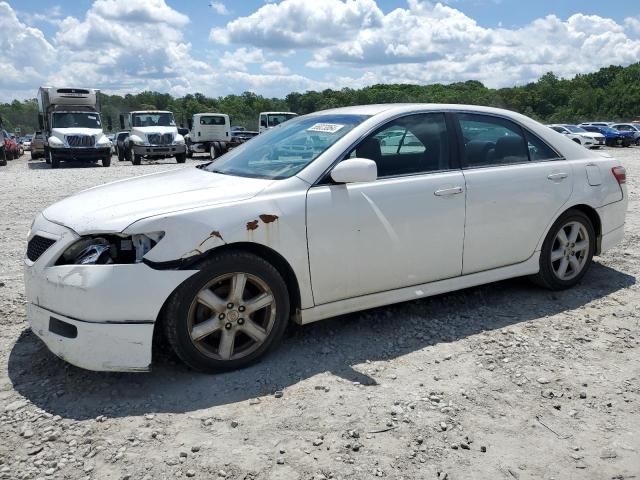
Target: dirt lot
{"x":504,"y":381}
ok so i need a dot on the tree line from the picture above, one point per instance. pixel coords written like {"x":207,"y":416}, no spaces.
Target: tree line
{"x":610,"y":94}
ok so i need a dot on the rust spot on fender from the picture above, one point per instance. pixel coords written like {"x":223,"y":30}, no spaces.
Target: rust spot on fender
{"x":268,"y":218}
{"x":252,"y":225}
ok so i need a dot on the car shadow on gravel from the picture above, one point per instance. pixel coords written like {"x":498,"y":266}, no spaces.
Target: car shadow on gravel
{"x":336,"y":346}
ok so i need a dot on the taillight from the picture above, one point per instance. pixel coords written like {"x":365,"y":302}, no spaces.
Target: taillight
{"x":620,"y":173}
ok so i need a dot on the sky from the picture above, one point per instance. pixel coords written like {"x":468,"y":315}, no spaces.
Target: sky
{"x":220,"y":47}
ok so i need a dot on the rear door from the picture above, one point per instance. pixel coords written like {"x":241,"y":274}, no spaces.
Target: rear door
{"x":515,"y":183}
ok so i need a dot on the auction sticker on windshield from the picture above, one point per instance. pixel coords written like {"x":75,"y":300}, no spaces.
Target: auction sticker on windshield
{"x":325,"y":127}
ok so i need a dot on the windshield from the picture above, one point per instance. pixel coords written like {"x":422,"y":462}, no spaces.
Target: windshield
{"x":574,"y":129}
{"x":275,"y":119}
{"x":283,"y":151}
{"x":76,"y":120}
{"x":153,"y":119}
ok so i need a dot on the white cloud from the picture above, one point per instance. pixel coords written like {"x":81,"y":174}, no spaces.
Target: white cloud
{"x":300,"y":23}
{"x":275,"y":67}
{"x":219,"y":8}
{"x":240,"y":59}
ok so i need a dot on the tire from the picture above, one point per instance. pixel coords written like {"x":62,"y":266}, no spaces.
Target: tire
{"x":106,"y":161}
{"x":268,"y":323}
{"x":550,"y":275}
{"x":638,"y":142}
{"x":213,"y":152}
{"x":53,"y":160}
{"x":3,"y":158}
{"x":120,"y":155}
{"x":181,"y":158}
{"x":135,"y":158}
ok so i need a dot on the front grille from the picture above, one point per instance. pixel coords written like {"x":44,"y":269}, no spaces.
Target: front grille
{"x":158,"y":139}
{"x":81,"y":140}
{"x":37,"y":246}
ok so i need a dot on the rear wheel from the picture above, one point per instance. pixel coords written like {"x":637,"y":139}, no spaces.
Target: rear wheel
{"x":106,"y":161}
{"x":567,"y":251}
{"x":135,"y":158}
{"x":3,"y":158}
{"x":229,"y":314}
{"x":120,"y":154}
{"x":213,"y":152}
{"x":181,"y":157}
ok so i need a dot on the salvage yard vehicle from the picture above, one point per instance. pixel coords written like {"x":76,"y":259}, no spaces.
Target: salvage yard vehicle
{"x":37,"y":146}
{"x":579,"y":135}
{"x":153,"y":135}
{"x":267,"y":120}
{"x":118,"y":144}
{"x":11,"y":147}
{"x":3,"y":153}
{"x":219,"y":257}
{"x":634,"y":128}
{"x":70,"y":120}
{"x":612,"y":137}
{"x":210,"y":133}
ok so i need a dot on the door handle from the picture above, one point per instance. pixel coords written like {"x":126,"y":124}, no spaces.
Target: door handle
{"x":448,"y":191}
{"x":557,"y":176}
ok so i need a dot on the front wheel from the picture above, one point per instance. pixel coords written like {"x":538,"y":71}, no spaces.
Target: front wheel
{"x":181,"y":157}
{"x":53,"y":160}
{"x":567,"y":251}
{"x":3,"y":158}
{"x":106,"y":161}
{"x":229,"y":314}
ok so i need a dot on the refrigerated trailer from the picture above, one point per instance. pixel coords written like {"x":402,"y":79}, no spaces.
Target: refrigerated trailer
{"x":71,"y":124}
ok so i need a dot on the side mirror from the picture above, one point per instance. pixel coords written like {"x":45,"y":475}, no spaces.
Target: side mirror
{"x":353,"y":170}
{"x":190,"y":124}
{"x":121,"y":122}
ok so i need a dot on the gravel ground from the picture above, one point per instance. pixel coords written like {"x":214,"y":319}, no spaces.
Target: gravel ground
{"x":504,"y":381}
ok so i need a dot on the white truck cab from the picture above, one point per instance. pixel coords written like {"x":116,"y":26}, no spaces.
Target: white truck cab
{"x":153,"y":134}
{"x":268,"y":120}
{"x":71,"y":124}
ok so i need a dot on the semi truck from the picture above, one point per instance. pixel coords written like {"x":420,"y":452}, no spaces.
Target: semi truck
{"x":267,"y":120}
{"x":70,"y":122}
{"x":210,"y":133}
{"x":153,"y":134}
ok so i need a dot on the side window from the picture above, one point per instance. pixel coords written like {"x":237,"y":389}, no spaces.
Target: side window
{"x":491,"y":140}
{"x":408,"y":145}
{"x":538,"y":150}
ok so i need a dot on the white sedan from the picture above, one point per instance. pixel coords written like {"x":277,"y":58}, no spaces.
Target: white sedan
{"x":220,"y":257}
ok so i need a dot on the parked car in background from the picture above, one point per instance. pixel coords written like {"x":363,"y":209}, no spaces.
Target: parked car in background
{"x":118,"y":144}
{"x":242,"y":136}
{"x":579,"y":135}
{"x":3,"y":153}
{"x":37,"y":146}
{"x":612,"y":137}
{"x":11,"y":147}
{"x":26,"y":143}
{"x":219,"y":258}
{"x":595,"y":124}
{"x":634,"y":128}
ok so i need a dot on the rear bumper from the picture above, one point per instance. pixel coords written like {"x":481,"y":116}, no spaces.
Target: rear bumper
{"x":95,"y":346}
{"x":159,"y":150}
{"x":81,"y":153}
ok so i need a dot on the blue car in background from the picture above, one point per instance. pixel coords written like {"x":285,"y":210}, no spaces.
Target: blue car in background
{"x":612,"y":137}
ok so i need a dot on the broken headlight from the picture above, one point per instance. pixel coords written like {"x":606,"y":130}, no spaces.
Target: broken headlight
{"x":110,"y":249}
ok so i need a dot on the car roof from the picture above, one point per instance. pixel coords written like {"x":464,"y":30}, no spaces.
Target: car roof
{"x":390,"y":108}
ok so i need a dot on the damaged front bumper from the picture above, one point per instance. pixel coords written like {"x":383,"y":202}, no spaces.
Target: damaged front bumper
{"x":98,"y":317}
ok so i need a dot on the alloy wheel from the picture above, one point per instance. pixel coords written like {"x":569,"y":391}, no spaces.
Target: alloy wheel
{"x":570,"y":250}
{"x":231,"y":316}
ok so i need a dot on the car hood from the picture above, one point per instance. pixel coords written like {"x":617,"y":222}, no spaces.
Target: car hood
{"x":115,"y":206}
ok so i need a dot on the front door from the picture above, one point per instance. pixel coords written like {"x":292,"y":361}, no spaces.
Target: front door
{"x":406,"y":228}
